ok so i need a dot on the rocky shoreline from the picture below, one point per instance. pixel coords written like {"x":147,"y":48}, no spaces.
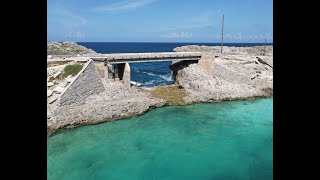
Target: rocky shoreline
{"x":67,"y":48}
{"x":235,"y":74}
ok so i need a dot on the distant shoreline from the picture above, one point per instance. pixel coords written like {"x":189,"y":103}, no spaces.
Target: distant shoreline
{"x":218,"y":44}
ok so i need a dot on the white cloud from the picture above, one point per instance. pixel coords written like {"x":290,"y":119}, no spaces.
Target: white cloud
{"x":68,"y":18}
{"x":186,"y":26}
{"x":75,"y":35}
{"x":240,"y":37}
{"x":210,"y":20}
{"x":177,"y":35}
{"x":234,"y":36}
{"x":123,"y":5}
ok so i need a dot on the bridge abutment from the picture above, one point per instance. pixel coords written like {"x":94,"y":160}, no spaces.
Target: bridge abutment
{"x":114,"y":72}
{"x":126,"y":75}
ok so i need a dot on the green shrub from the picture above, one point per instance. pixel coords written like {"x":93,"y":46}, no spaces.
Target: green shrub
{"x":73,"y":70}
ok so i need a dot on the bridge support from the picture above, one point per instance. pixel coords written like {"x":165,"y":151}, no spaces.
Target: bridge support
{"x":206,"y":62}
{"x":126,"y":75}
{"x":118,"y":72}
{"x":178,"y":65}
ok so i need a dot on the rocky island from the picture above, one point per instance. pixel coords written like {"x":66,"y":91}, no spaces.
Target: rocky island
{"x":78,"y":92}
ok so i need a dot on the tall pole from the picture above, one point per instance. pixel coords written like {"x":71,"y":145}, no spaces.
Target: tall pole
{"x":222,"y":33}
{"x":265,"y":43}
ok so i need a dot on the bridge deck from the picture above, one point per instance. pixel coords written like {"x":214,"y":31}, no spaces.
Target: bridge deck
{"x":146,"y":57}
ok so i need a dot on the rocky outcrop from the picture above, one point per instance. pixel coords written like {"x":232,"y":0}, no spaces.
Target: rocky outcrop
{"x":116,"y":102}
{"x":67,"y":48}
{"x":91,"y":99}
{"x":229,"y":50}
{"x":228,"y":77}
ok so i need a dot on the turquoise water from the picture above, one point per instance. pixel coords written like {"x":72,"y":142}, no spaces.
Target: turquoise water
{"x":228,"y":140}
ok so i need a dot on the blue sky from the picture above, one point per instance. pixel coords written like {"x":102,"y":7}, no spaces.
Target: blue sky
{"x":159,"y":20}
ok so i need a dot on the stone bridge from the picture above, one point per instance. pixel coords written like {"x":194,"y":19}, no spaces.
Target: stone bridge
{"x":116,"y":66}
{"x":100,"y":70}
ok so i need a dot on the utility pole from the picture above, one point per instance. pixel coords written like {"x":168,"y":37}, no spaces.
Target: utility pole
{"x":222,"y":33}
{"x":265,"y":43}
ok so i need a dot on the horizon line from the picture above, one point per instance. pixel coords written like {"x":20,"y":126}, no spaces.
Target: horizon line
{"x":162,"y":42}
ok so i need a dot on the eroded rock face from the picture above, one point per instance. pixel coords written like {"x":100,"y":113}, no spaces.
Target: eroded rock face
{"x":116,"y":102}
{"x":226,"y":78}
{"x":93,"y":99}
{"x":228,"y":50}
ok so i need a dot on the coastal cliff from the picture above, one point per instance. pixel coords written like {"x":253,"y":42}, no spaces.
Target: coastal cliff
{"x":67,"y":48}
{"x":89,"y":98}
{"x":227,"y":77}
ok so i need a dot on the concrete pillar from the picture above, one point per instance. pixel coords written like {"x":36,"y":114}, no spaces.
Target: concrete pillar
{"x":126,"y":75}
{"x":206,"y":62}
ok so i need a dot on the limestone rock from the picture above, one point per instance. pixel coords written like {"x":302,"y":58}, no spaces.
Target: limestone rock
{"x":49,"y":84}
{"x":49,"y":93}
{"x":226,"y":78}
{"x":227,"y":50}
{"x":49,"y":114}
{"x":70,"y":79}
{"x":53,"y":98}
{"x":50,"y":78}
{"x":56,"y":74}
{"x":67,"y":48}
{"x":69,"y":76}
{"x":63,"y":84}
{"x":58,"y":89}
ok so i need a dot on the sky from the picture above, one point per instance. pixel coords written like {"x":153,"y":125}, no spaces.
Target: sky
{"x":248,"y":21}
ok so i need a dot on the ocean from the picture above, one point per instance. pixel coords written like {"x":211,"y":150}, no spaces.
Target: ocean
{"x":207,"y":141}
{"x":151,"y":73}
{"x":218,"y":141}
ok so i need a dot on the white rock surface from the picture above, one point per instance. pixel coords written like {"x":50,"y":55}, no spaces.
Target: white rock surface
{"x":49,"y":84}
{"x":63,"y":83}
{"x":117,"y":101}
{"x":58,"y":89}
{"x":70,"y":79}
{"x":56,"y":74}
{"x":53,"y":98}
{"x":49,"y":93}
{"x":229,"y":77}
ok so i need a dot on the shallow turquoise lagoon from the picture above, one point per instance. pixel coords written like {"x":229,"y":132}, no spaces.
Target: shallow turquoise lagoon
{"x":228,"y":140}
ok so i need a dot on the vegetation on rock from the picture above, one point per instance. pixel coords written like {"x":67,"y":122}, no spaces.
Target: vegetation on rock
{"x":173,"y":95}
{"x":72,"y":70}
{"x":66,"y":48}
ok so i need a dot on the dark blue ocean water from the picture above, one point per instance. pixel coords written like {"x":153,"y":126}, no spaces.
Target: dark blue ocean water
{"x":151,"y":73}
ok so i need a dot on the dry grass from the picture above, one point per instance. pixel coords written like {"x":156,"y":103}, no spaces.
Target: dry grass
{"x":173,"y":95}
